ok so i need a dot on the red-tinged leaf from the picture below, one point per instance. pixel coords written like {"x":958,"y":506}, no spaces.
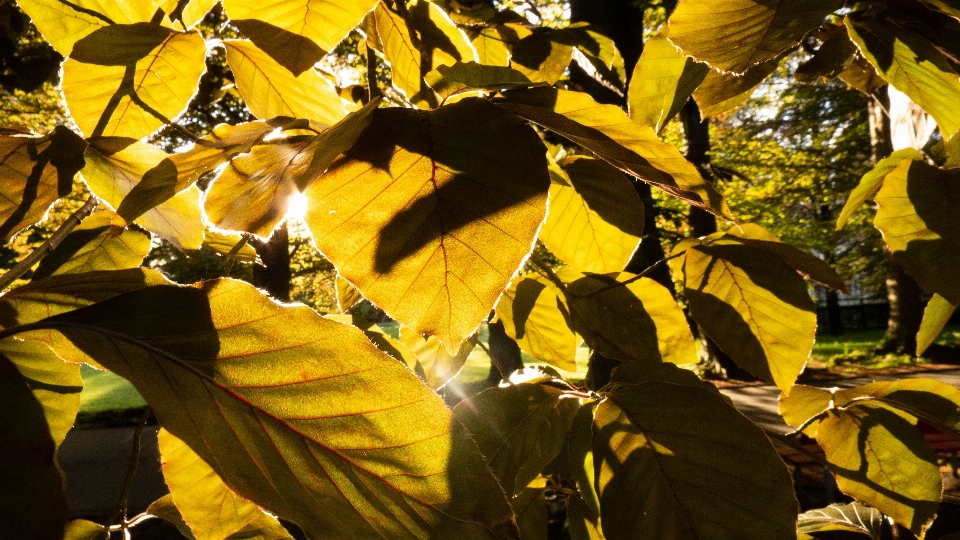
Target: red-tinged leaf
{"x":345,"y":445}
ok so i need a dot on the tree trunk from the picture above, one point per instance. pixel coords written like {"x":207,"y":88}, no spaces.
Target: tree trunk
{"x":696,"y":132}
{"x":903,"y":293}
{"x":274,"y":275}
{"x":834,"y":324}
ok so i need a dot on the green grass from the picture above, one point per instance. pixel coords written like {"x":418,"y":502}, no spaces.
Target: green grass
{"x":105,"y":392}
{"x":845,"y":344}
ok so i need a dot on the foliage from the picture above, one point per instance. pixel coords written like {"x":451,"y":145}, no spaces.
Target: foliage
{"x":435,"y":196}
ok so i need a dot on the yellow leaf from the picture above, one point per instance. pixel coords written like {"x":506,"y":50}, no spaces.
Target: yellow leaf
{"x":193,"y":13}
{"x":754,"y":306}
{"x":347,"y":295}
{"x":63,"y":25}
{"x":595,"y":224}
{"x":296,"y":33}
{"x":111,"y":175}
{"x":270,"y":90}
{"x":162,"y":82}
{"x":534,"y":315}
{"x":91,"y":247}
{"x":434,"y":364}
{"x":225,"y":243}
{"x":35,"y":172}
{"x":491,"y":49}
{"x":430,"y":213}
{"x":207,"y":505}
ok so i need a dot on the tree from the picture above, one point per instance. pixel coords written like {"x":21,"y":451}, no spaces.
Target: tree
{"x":429,"y":196}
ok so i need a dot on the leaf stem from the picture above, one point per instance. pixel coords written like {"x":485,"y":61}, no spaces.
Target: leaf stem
{"x":51,"y":244}
{"x":548,"y":272}
{"x":121,"y":509}
{"x":647,"y":271}
{"x":373,"y":89}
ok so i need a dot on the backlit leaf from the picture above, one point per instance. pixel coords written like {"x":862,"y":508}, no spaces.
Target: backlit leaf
{"x":434,"y":364}
{"x":871,"y":182}
{"x":225,"y":243}
{"x":879,"y":458}
{"x":63,"y":24}
{"x":111,"y":174}
{"x":32,"y":503}
{"x":540,"y":57}
{"x":491,"y":50}
{"x":35,"y":172}
{"x":755,"y":307}
{"x":913,"y":65}
{"x":207,"y":505}
{"x":860,"y":74}
{"x":193,"y":13}
{"x":807,"y":264}
{"x":164,"y":509}
{"x":639,"y":321}
{"x":530,"y":506}
{"x":935,"y":316}
{"x":157,"y":86}
{"x":291,"y":422}
{"x":722,"y":92}
{"x":596,"y":54}
{"x":803,"y":403}
{"x":430,"y":213}
{"x":464,"y":77}
{"x":595,"y":224}
{"x":224,"y":142}
{"x":534,"y":315}
{"x":915,"y":216}
{"x":936,"y":402}
{"x":296,"y":34}
{"x":254,"y":192}
{"x":608,"y":132}
{"x":347,"y":295}
{"x":733,"y":35}
{"x":852,"y":517}
{"x":81,"y":529}
{"x":92,"y":247}
{"x":662,"y":81}
{"x":519,"y":428}
{"x":55,"y":384}
{"x":948,"y":7}
{"x":835,"y":53}
{"x":656,"y":481}
{"x":270,"y":90}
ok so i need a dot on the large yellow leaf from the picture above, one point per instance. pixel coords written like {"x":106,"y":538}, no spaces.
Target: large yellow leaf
{"x":593,"y":225}
{"x":872,"y":181}
{"x":912,"y":64}
{"x":677,"y":461}
{"x":270,"y":90}
{"x":608,"y":132}
{"x":629,"y":319}
{"x":722,"y":92}
{"x":754,"y":306}
{"x":662,"y":81}
{"x":254,"y":192}
{"x":313,"y":423}
{"x":879,"y":458}
{"x":35,"y":172}
{"x":733,"y":35}
{"x":915,"y":214}
{"x":207,"y":505}
{"x":535,"y":316}
{"x":491,"y":49}
{"x":430,"y":213}
{"x":91,"y":247}
{"x":133,"y":100}
{"x":296,"y":33}
{"x":65,"y":23}
{"x":112,"y":174}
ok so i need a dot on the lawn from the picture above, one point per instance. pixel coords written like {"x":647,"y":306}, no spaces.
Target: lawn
{"x":104,"y":392}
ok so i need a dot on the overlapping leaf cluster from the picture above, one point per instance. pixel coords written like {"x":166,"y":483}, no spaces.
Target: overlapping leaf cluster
{"x":429,"y":203}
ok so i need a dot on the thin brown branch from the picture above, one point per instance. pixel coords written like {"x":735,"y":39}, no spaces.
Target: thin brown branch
{"x":51,"y":244}
{"x":373,"y":89}
{"x":121,"y":510}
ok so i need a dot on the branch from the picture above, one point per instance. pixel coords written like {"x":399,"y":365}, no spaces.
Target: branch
{"x":51,"y":244}
{"x":121,"y":509}
{"x":549,"y":273}
{"x":373,"y":90}
{"x":626,"y":282}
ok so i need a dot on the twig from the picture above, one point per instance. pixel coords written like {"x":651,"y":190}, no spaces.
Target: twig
{"x":121,"y":509}
{"x":51,"y":244}
{"x":373,"y":89}
{"x":549,"y":273}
